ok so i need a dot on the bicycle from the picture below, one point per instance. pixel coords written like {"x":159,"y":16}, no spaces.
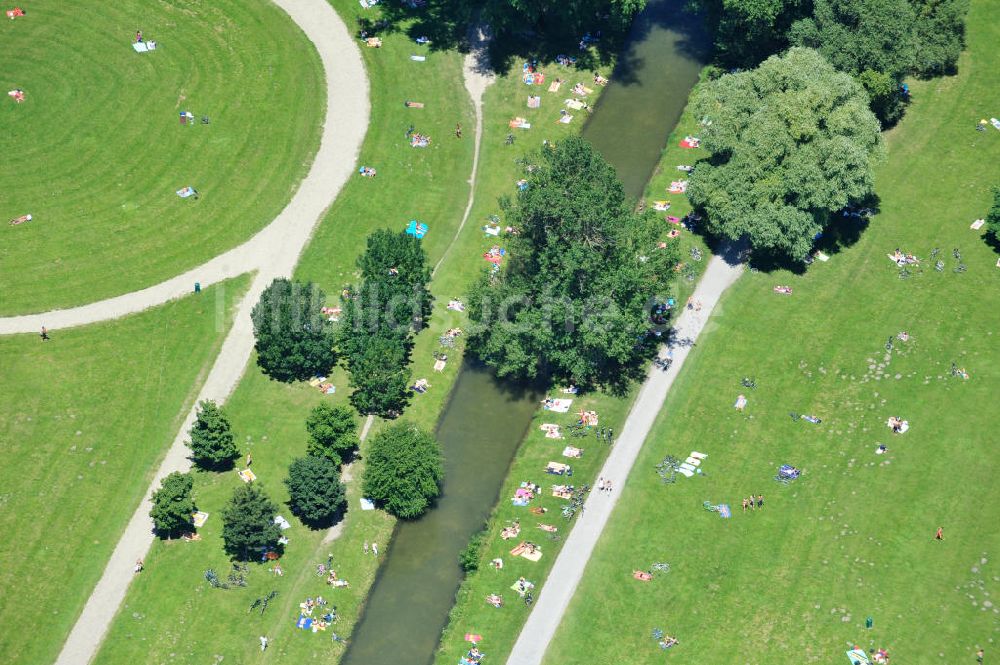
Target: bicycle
{"x":961,"y":267}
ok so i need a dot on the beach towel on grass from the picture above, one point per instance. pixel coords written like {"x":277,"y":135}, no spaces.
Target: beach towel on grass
{"x":560,"y":405}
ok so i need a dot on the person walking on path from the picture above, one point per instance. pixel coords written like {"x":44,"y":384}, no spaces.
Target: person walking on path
{"x":45,"y":334}
{"x":940,"y":533}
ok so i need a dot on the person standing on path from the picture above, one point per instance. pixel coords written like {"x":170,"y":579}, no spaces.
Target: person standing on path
{"x":940,"y":533}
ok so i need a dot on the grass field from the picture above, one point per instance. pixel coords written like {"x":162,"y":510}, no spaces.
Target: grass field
{"x":96,"y":151}
{"x":87,"y":416}
{"x":854,"y":536}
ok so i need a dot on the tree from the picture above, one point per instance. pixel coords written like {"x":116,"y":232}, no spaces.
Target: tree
{"x":855,"y":35}
{"x":332,"y":432}
{"x":404,"y":470}
{"x":316,"y":494}
{"x":248,"y":523}
{"x":791,"y":141}
{"x":173,"y":505}
{"x":294,"y":339}
{"x":212,"y":443}
{"x":380,"y":377}
{"x":748,"y":31}
{"x":940,"y":35}
{"x":556,"y":17}
{"x":397,"y":261}
{"x":993,"y":220}
{"x":572,"y":302}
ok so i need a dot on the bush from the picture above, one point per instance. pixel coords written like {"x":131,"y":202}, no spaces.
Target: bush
{"x":212,"y":444}
{"x":404,"y":470}
{"x":317,"y":495}
{"x":294,"y":338}
{"x":173,"y":505}
{"x":248,"y":523}
{"x":332,"y":432}
{"x":469,"y":557}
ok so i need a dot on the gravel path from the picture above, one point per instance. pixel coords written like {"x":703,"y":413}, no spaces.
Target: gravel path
{"x":558,"y":590}
{"x":275,"y":249}
{"x":272,"y":253}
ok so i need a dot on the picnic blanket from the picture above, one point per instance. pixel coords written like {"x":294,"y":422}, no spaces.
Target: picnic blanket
{"x":572,"y":451}
{"x":416,"y":229}
{"x":554,"y":86}
{"x":199,"y":518}
{"x":690,"y":143}
{"x":473,"y":637}
{"x":187,"y":192}
{"x":143,"y":47}
{"x":534,"y":102}
{"x":565,"y":119}
{"x":367,"y":504}
{"x":559,"y":405}
{"x":304,"y":622}
{"x":282,"y":522}
{"x":557,"y":468}
{"x":418,"y":58}
{"x":574,"y":104}
{"x":519,"y":123}
{"x":439,"y":365}
{"x":858,"y":657}
{"x":661,"y":206}
{"x":247,"y":476}
{"x":561,"y":492}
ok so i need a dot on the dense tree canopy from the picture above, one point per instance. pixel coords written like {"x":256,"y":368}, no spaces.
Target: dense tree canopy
{"x":404,"y":470}
{"x":748,"y":31}
{"x":294,"y":339}
{"x":581,"y":271}
{"x":559,"y":16}
{"x":315,"y":492}
{"x":333,"y":432}
{"x":855,"y":35}
{"x":248,"y":523}
{"x":379,"y":318}
{"x":791,"y":142}
{"x":173,"y":505}
{"x":940,"y":35}
{"x":212,"y":443}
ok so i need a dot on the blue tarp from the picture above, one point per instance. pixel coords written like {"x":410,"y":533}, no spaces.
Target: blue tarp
{"x":416,"y":229}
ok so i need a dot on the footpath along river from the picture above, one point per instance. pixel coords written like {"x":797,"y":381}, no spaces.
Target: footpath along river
{"x":485,"y":420}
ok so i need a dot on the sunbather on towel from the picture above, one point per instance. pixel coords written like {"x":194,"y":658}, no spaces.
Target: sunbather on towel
{"x":20,"y":220}
{"x":641,"y":575}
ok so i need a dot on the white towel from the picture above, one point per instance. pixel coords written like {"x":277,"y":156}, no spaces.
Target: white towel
{"x":685,"y":472}
{"x":687,"y":467}
{"x":693,"y":461}
{"x":695,"y":453}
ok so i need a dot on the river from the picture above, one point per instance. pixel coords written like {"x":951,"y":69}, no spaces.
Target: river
{"x":485,"y":420}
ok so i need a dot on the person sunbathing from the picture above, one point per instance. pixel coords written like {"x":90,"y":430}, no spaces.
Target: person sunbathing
{"x":641,"y":575}
{"x":548,"y":527}
{"x":495,"y":600}
{"x":600,"y":80}
{"x":668,"y":642}
{"x":20,"y":220}
{"x":787,"y":290}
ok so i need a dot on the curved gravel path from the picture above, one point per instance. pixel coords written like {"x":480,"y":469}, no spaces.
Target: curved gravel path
{"x":275,"y":249}
{"x":272,"y":253}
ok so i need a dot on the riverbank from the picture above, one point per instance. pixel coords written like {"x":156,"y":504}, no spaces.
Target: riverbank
{"x":471,"y":613}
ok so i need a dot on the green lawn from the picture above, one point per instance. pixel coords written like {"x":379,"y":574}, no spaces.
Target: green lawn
{"x":96,"y":151}
{"x":853,"y":537}
{"x":87,"y":417}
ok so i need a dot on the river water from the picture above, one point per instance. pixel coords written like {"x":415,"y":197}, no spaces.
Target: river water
{"x":649,"y":88}
{"x":485,"y":420}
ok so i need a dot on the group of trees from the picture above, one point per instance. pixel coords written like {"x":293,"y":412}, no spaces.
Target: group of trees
{"x":924,"y":37}
{"x":572,"y":303}
{"x":316,"y":494}
{"x":792,"y":141}
{"x":375,"y":336}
